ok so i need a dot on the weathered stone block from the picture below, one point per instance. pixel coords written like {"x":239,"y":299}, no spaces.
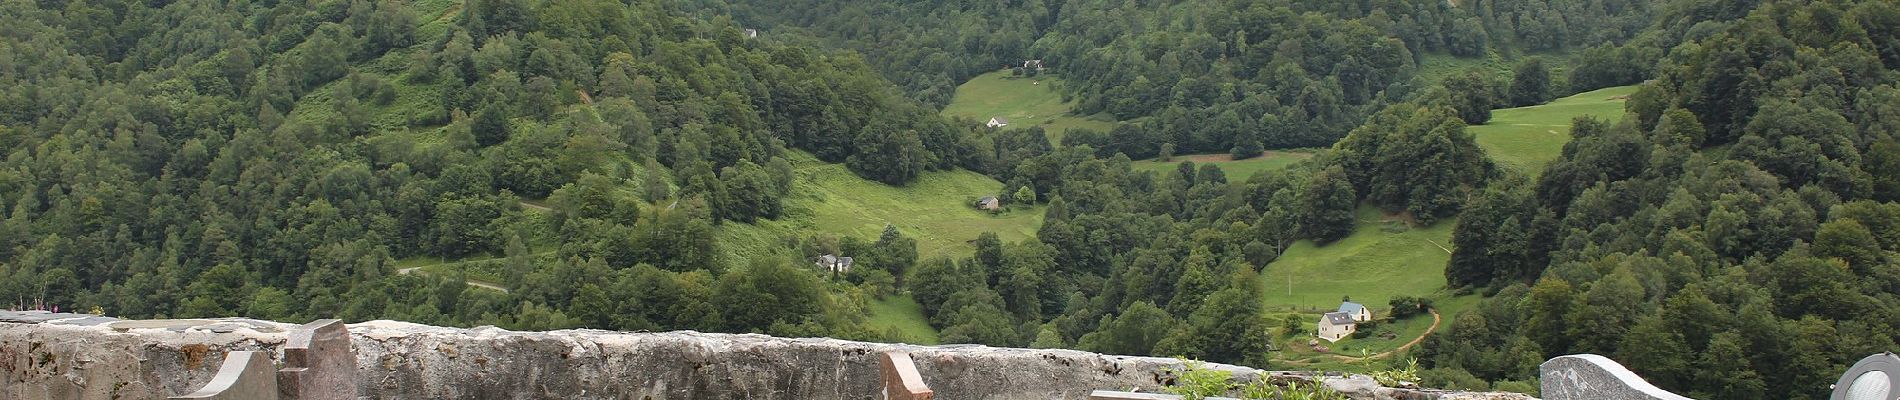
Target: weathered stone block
{"x":901,"y":380}
{"x":245,"y":375}
{"x":1594,"y":377}
{"x":318,"y":364}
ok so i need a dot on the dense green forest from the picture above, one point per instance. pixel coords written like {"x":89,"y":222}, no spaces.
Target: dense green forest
{"x":1733,"y":237}
{"x":1206,"y":75}
{"x":279,"y":160}
{"x":274,"y":160}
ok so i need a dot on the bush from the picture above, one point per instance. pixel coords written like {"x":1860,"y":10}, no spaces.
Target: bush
{"x":1195,"y":381}
{"x":1365,"y":329}
{"x":1246,"y":150}
{"x":1525,"y":387}
{"x":1451,"y":378}
{"x":1407,"y":306}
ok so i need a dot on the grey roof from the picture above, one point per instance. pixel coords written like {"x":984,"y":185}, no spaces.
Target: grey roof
{"x":999,"y":120}
{"x":987,"y":199}
{"x":831,"y":261}
{"x":1339,"y":318}
{"x":1351,"y":307}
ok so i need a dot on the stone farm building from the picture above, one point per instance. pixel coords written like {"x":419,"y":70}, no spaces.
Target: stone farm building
{"x":997,"y":122}
{"x":989,"y":203}
{"x":835,"y":264}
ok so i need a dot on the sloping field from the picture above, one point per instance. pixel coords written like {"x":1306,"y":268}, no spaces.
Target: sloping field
{"x":1528,"y":138}
{"x":1024,"y":101}
{"x":1236,"y":170}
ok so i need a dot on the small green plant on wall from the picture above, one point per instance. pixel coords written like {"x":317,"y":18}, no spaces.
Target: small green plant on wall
{"x":1194,"y":382}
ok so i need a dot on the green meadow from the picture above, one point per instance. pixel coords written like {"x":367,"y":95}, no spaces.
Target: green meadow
{"x":1236,"y":170}
{"x":936,"y":210}
{"x":1528,"y":138}
{"x":1024,"y":101}
{"x":1382,"y":259}
{"x":902,"y":313}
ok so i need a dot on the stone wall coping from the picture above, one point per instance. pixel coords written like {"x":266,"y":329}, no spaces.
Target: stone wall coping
{"x":245,"y":375}
{"x":1564,"y":378}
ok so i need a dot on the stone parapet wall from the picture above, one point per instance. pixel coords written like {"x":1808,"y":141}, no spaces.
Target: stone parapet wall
{"x":1594,"y":377}
{"x":104,"y":359}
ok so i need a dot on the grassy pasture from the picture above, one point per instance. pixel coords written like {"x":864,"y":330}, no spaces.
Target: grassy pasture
{"x":935,"y":210}
{"x":901,"y":312}
{"x":1236,"y":170}
{"x":1024,"y":101}
{"x":1528,"y":138}
{"x":1381,"y":259}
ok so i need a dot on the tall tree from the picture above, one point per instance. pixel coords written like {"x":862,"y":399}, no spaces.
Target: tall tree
{"x":1530,"y":83}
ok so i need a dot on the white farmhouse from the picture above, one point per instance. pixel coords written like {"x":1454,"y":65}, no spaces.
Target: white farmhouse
{"x":1336,"y":325}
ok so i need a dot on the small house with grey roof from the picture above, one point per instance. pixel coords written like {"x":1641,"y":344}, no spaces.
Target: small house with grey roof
{"x":1359,"y":312}
{"x":1335,"y":326}
{"x":835,"y":264}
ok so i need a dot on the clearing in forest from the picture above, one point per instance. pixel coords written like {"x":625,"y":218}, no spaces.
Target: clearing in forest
{"x":1024,"y":101}
{"x":1528,"y":138}
{"x":1384,"y":258}
{"x":937,"y":210}
{"x":1236,"y":171}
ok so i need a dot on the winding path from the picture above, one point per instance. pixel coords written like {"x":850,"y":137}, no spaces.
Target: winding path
{"x":484,"y":285}
{"x":536,"y":207}
{"x":1420,"y":338}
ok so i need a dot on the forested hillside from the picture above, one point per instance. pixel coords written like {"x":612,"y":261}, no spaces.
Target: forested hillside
{"x":1725,"y":239}
{"x":275,"y":160}
{"x":1732,"y":238}
{"x":1204,"y":75}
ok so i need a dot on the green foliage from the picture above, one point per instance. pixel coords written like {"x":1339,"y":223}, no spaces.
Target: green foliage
{"x":1606,"y":65}
{"x":1193,"y":381}
{"x":1528,"y":138}
{"x":768,"y":292}
{"x":1246,"y":150}
{"x":1361,"y":265}
{"x":1414,"y":159}
{"x":1453,"y":379}
{"x":1295,"y":390}
{"x":1530,"y":83}
{"x":1397,"y":377}
{"x":1025,"y":102}
{"x":903,"y":314}
{"x":1471,"y":96}
{"x":1706,"y":242}
{"x":1328,"y":200}
{"x":1235,"y":169}
{"x":1134,"y":332}
{"x":1407,"y":306}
